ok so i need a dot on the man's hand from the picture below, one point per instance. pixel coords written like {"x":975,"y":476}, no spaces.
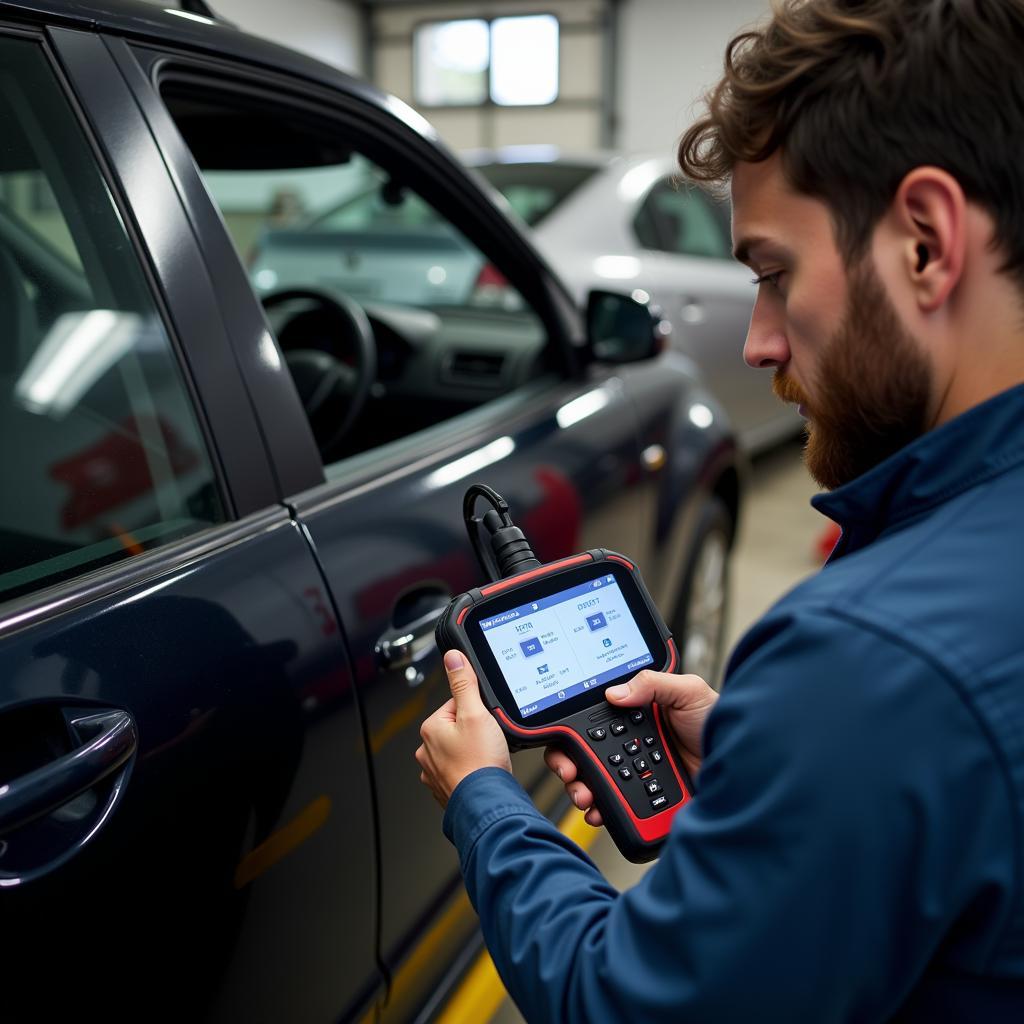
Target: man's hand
{"x":460,"y":736}
{"x":685,"y":701}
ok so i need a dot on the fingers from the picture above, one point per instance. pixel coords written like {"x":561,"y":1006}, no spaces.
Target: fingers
{"x":560,"y":764}
{"x":444,"y":714}
{"x":579,"y":794}
{"x":681,"y":692}
{"x":463,"y":682}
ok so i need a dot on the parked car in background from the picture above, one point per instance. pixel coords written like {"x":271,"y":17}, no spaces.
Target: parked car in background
{"x":381,"y":243}
{"x":229,"y":518}
{"x":614,"y":221}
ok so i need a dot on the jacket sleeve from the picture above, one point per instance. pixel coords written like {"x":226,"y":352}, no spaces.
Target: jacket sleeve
{"x":850,"y":809}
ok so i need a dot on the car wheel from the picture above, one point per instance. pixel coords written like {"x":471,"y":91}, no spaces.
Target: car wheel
{"x":700,"y":620}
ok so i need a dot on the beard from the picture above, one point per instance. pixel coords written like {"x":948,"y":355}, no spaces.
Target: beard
{"x":872,"y":388}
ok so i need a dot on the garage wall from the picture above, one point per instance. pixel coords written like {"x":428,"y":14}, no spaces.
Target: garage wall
{"x":669,"y":52}
{"x":576,"y":120}
{"x":330,"y":30}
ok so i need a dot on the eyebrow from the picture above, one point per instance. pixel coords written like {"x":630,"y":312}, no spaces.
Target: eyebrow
{"x":745,"y":246}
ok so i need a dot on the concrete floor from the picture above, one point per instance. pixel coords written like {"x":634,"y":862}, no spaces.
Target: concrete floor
{"x":776,"y":548}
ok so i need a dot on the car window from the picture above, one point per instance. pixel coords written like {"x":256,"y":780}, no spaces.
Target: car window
{"x":310,"y":211}
{"x":100,"y":453}
{"x":375,"y":207}
{"x":536,"y":190}
{"x":679,"y":219}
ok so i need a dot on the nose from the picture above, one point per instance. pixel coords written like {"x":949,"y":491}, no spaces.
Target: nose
{"x":766,"y":345}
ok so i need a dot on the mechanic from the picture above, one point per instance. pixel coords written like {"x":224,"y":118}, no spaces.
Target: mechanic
{"x":854,"y":851}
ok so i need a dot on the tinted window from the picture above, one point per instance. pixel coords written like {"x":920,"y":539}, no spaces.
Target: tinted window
{"x":535,"y":190}
{"x":681,"y":220}
{"x":100,"y":453}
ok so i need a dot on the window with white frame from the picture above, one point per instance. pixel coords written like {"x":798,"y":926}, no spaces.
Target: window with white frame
{"x":511,"y":62}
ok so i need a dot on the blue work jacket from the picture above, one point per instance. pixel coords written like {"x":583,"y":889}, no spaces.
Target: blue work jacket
{"x":854,"y":851}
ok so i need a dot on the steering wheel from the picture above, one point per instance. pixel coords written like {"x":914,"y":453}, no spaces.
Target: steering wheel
{"x":331,"y":352}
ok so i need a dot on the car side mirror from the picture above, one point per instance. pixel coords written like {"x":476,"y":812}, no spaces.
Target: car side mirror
{"x":624,"y":328}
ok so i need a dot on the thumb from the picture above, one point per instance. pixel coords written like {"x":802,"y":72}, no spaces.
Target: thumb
{"x":463,"y":682}
{"x":663,"y":688}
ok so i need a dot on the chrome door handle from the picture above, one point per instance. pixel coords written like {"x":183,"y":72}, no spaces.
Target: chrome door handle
{"x":406,"y":646}
{"x":112,"y":740}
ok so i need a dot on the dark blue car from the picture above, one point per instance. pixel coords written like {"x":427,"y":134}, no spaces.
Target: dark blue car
{"x":230,"y":513}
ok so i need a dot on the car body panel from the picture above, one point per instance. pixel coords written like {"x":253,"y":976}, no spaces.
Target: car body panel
{"x":394,"y":548}
{"x":230,"y":663}
{"x":225,"y":652}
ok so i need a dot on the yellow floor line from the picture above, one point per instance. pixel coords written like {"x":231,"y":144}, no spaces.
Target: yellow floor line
{"x":481,"y":992}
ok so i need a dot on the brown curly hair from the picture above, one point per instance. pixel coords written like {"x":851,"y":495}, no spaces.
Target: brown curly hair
{"x":856,"y":93}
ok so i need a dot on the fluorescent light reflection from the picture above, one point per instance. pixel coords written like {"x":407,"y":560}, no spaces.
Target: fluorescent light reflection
{"x":77,"y":350}
{"x":471,"y":463}
{"x":269,"y":353}
{"x":417,"y":122}
{"x":189,"y":16}
{"x":582,"y":407}
{"x":141,"y":595}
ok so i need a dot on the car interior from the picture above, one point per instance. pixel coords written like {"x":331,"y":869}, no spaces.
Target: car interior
{"x":389,"y":325}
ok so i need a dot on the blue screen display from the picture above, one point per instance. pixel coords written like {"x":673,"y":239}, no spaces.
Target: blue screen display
{"x":563,"y":645}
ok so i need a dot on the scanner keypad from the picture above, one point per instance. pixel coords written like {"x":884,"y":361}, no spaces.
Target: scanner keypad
{"x":646,"y":794}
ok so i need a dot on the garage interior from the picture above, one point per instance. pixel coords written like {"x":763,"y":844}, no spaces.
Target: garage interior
{"x":586,"y":99}
{"x":629,"y":74}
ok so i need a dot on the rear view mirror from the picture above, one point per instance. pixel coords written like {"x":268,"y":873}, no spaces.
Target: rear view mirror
{"x":623,"y":328}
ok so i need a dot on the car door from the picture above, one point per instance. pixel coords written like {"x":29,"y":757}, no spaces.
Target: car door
{"x":185,"y":815}
{"x":709,"y":300}
{"x":476,"y":383}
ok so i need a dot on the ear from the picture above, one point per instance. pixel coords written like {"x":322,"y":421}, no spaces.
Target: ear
{"x":930,"y":213}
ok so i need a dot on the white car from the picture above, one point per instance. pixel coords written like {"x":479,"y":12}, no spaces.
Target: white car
{"x":603,"y":221}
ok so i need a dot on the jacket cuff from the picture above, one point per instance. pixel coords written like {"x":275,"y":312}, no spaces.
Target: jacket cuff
{"x":482,"y":798}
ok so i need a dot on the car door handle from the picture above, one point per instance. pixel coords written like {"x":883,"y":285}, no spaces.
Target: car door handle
{"x":405,"y":646}
{"x":110,"y":740}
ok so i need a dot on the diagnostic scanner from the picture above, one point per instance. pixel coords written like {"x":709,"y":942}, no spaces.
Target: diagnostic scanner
{"x":546,"y":641}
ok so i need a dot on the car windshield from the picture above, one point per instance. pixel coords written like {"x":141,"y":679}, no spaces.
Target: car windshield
{"x":534,"y":191}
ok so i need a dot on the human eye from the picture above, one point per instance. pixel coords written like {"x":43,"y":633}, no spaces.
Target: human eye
{"x":771,"y":279}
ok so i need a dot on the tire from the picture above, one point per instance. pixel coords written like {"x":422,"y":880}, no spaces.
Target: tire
{"x":700,"y":621}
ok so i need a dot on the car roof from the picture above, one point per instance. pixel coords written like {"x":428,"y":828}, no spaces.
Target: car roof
{"x":172,"y":25}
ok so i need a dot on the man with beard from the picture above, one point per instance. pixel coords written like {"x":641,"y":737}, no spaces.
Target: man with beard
{"x":855,"y":849}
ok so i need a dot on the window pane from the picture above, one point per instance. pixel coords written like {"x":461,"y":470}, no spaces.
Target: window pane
{"x":535,"y":190}
{"x":451,"y":63}
{"x":310,"y":211}
{"x":524,"y":60}
{"x":100,"y":453}
{"x":680,"y":220}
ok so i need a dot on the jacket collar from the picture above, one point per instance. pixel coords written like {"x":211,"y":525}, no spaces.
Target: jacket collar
{"x":983,"y":442}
